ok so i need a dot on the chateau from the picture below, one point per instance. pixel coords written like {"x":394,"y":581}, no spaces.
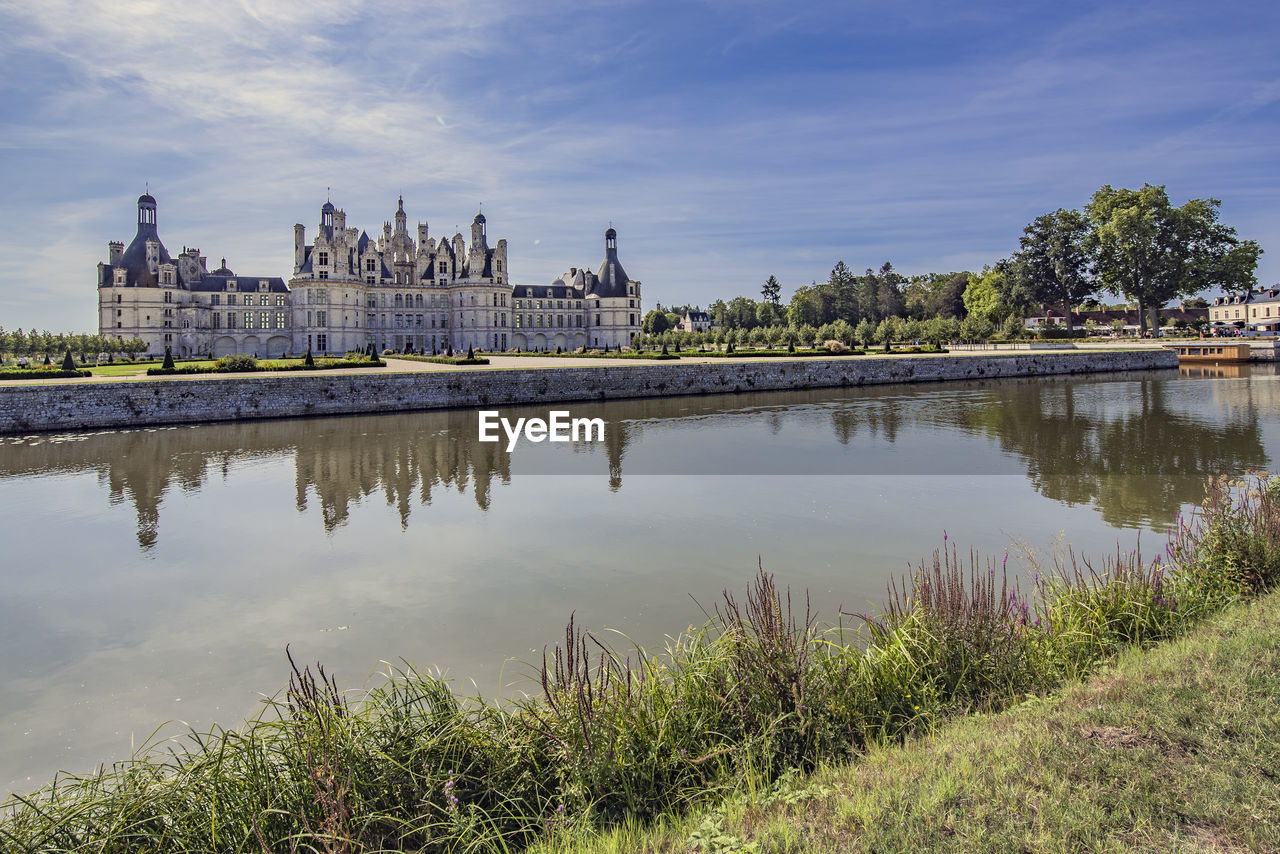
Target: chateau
{"x":348,"y":291}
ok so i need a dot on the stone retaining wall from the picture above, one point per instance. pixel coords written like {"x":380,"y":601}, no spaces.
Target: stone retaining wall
{"x":90,"y":405}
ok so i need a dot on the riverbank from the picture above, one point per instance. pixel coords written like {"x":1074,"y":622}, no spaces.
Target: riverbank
{"x":620,"y":736}
{"x":87,"y":405}
{"x":1168,"y":749}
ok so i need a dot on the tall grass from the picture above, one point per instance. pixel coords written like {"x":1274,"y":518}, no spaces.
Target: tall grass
{"x":613,"y":736}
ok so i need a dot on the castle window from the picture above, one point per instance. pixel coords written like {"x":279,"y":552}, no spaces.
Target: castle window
{"x":215,"y":299}
{"x":263,"y":285}
{"x":368,"y":280}
{"x":498,"y":266}
{"x":322,"y":318}
{"x":217,"y":320}
{"x":324,"y":274}
{"x":231,"y":320}
{"x":279,"y":320}
{"x":264,"y":300}
{"x":444,"y":267}
{"x":280,"y":299}
{"x":324,"y":259}
{"x":262,"y":319}
{"x":372,"y":301}
{"x":118,"y":298}
{"x":232,"y":284}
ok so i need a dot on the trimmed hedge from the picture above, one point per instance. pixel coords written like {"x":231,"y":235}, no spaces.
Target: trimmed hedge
{"x":265,"y":367}
{"x":612,"y":354}
{"x":778,"y":354}
{"x":41,"y":374}
{"x":447,"y":360}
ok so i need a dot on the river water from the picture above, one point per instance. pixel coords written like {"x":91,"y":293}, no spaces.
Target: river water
{"x":155,"y":576}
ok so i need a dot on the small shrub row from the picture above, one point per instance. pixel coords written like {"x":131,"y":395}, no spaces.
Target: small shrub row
{"x":446,"y":360}
{"x":249,"y":364}
{"x":784,"y":354}
{"x":40,"y":373}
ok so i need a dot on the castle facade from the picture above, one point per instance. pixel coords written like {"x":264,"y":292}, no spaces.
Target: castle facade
{"x":348,"y":292}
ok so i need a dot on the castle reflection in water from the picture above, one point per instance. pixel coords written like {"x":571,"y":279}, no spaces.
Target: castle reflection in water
{"x":1137,"y":447}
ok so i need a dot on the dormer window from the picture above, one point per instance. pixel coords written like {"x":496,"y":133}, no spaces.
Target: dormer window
{"x":263,"y":286}
{"x":324,"y":258}
{"x":232,"y":285}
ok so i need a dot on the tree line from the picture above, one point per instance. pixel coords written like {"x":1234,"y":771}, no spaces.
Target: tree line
{"x":45,"y":344}
{"x":1134,"y":244}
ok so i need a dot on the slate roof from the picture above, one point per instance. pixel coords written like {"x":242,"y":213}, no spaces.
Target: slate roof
{"x":611,"y":279}
{"x":245,"y":284}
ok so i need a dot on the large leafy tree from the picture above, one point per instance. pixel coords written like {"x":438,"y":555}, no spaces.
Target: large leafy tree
{"x":1054,"y":263}
{"x":655,"y":323}
{"x":1152,"y":252}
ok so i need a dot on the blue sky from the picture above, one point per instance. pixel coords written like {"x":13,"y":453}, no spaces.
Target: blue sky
{"x":726,"y":141}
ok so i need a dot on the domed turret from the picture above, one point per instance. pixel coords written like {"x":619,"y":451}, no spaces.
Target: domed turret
{"x":134,"y":260}
{"x":611,"y":279}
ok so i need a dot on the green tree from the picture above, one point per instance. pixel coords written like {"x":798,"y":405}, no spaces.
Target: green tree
{"x":1054,"y":260}
{"x":984,"y":295}
{"x":1149,"y":251}
{"x":768,"y":314}
{"x":742,"y":310}
{"x":976,"y":327}
{"x":803,"y":309}
{"x":772,"y":292}
{"x":889,"y":291}
{"x":655,"y":323}
{"x":886,"y":331}
{"x":865,"y":332}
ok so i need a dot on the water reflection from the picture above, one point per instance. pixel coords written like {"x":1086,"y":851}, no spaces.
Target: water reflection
{"x":1135,"y":447}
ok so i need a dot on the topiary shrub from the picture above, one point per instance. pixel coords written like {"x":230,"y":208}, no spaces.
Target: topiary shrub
{"x":309,"y":361}
{"x":68,"y":363}
{"x":168,"y":360}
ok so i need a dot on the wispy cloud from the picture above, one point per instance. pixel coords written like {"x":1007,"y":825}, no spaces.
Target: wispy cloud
{"x":726,"y":140}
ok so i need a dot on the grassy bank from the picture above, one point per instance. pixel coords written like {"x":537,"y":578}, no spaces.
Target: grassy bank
{"x":613,"y":737}
{"x":1170,"y":749}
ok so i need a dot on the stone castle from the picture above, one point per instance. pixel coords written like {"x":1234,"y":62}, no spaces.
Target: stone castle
{"x":348,"y":292}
